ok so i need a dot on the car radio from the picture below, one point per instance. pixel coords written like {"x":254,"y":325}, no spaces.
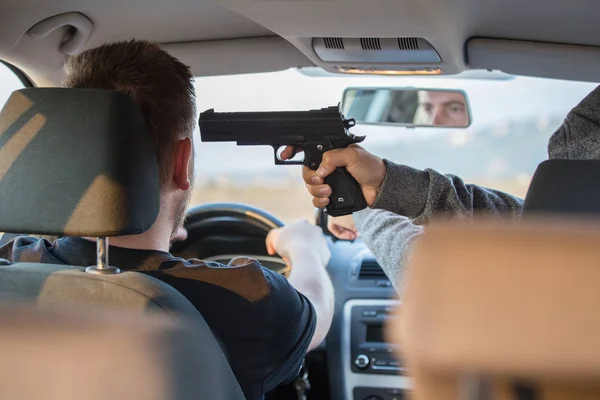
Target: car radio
{"x":368,"y":349}
{"x":371,"y":368}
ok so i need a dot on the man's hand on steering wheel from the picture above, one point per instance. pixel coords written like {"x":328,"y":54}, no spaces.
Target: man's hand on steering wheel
{"x":303,"y":246}
{"x":297,"y":238}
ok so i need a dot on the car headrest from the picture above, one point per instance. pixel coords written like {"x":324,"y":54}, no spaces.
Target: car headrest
{"x":76,"y":162}
{"x":565,"y":187}
{"x":514,"y":303}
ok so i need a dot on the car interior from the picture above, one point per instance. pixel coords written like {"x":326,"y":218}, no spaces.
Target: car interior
{"x":460,"y":330}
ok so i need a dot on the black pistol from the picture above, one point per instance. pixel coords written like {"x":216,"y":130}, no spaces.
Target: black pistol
{"x":314,"y":131}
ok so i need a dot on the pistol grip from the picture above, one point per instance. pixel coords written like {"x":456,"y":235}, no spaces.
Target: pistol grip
{"x":346,"y":195}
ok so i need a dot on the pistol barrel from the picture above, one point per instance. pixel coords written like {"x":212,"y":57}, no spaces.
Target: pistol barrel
{"x":253,"y":128}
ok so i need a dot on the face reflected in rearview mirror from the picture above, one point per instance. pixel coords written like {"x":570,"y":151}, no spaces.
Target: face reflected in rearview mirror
{"x":407,"y":107}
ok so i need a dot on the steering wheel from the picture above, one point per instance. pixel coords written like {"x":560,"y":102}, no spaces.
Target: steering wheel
{"x":222,"y":231}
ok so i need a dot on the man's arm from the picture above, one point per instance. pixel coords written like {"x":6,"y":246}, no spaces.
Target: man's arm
{"x":303,"y":246}
{"x":421,"y":195}
{"x":418,"y":195}
{"x":310,"y":278}
{"x":390,"y":237}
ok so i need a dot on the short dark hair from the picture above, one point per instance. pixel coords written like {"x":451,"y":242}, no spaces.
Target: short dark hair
{"x":162,"y":86}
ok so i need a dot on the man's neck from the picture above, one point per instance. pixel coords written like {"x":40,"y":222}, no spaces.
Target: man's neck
{"x":158,"y":237}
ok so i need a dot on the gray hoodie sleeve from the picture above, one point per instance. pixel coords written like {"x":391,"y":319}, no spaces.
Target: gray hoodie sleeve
{"x":389,"y":236}
{"x":422,"y":194}
{"x":410,"y":197}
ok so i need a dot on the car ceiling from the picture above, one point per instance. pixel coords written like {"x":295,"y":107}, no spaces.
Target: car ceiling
{"x":550,"y":38}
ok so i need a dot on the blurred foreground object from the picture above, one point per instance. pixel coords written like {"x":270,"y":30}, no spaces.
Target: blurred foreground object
{"x":503,"y":310}
{"x":82,"y":354}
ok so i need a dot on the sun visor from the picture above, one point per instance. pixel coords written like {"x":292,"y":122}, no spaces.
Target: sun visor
{"x":76,"y":162}
{"x":541,"y":59}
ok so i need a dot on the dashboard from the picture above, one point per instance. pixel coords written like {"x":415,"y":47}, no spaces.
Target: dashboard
{"x":355,"y":345}
{"x":354,"y":362}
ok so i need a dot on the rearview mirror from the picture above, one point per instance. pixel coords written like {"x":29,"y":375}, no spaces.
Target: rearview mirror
{"x":412,"y":107}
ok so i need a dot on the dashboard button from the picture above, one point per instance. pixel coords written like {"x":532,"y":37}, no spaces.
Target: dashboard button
{"x":394,"y":392}
{"x":369,"y":313}
{"x":361,"y":361}
{"x":381,"y":363}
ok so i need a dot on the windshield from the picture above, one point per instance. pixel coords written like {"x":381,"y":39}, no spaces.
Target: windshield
{"x":512,"y":121}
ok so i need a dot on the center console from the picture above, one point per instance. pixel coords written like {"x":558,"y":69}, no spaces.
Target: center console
{"x":371,"y":370}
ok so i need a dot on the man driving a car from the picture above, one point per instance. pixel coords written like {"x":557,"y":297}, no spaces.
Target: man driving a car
{"x":265,"y":322}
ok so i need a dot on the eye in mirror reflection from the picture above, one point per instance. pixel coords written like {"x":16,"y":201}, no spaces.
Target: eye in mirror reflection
{"x":407,"y":106}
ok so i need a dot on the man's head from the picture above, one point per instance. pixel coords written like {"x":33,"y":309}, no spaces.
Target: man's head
{"x":163,"y":88}
{"x":441,"y":108}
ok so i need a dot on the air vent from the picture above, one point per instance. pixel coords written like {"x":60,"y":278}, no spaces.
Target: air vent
{"x":408,"y":43}
{"x":370,"y":269}
{"x":376,"y":52}
{"x":370,"y":43}
{"x":334,"y":43}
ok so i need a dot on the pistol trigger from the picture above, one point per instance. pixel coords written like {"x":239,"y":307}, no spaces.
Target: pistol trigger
{"x":288,"y":160}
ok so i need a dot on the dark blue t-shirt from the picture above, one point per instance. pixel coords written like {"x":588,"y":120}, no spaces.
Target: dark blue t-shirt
{"x":263,"y":324}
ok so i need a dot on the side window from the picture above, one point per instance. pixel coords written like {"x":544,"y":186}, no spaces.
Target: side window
{"x":9,"y":82}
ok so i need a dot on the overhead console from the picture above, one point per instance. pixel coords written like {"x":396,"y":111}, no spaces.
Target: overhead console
{"x":407,"y":54}
{"x":410,"y":50}
{"x":386,"y":37}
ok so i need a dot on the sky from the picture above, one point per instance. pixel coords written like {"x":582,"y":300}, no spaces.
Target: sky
{"x":289,"y":90}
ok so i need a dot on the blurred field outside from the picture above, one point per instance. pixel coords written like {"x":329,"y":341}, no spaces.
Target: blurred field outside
{"x":292,"y":201}
{"x":289,"y":203}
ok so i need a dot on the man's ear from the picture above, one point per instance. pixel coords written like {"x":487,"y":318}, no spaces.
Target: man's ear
{"x":183,"y":152}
